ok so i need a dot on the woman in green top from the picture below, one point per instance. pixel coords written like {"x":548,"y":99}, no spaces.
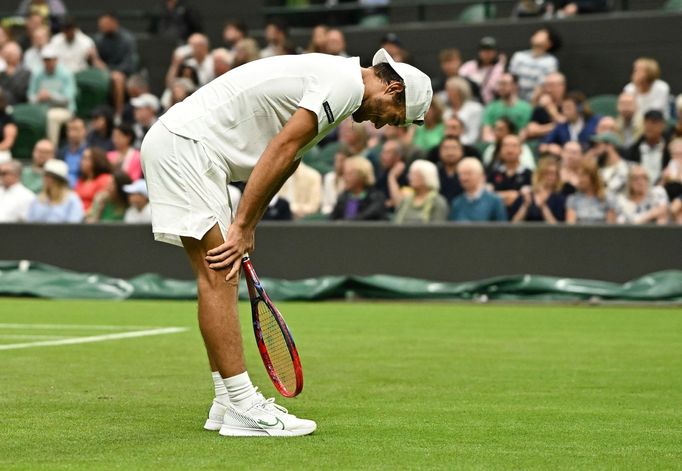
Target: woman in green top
{"x":111,"y":203}
{"x":429,"y":135}
{"x":420,"y":202}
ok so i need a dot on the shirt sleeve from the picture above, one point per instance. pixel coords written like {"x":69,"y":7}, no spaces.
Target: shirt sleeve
{"x":314,"y":99}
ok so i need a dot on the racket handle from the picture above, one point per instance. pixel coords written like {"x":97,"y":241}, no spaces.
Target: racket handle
{"x":245,"y":256}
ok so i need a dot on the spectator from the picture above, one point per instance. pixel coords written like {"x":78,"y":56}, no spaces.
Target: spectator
{"x":278,"y":210}
{"x":533,"y":65}
{"x":33,"y":22}
{"x":32,"y":175}
{"x":510,"y":176}
{"x":72,"y":152}
{"x":487,"y":69}
{"x":641,"y":203}
{"x":246,"y":50}
{"x":276,"y":36}
{"x":200,"y":58}
{"x":55,"y":87}
{"x":453,"y":126}
{"x":672,"y":175}
{"x":76,"y":50}
{"x":394,"y":46}
{"x":124,"y":156}
{"x":234,"y":32}
{"x":476,"y":204}
{"x":392,"y":155}
{"x":354,"y":136}
{"x":421,"y":201}
{"x":613,"y":169}
{"x":139,"y":211}
{"x":50,"y":10}
{"x":651,"y":93}
{"x":429,"y":135}
{"x":146,"y":109}
{"x":566,"y":8}
{"x":111,"y":203}
{"x":303,"y":191}
{"x":571,"y":160}
{"x":33,"y":60}
{"x":136,"y":85}
{"x":332,"y":183}
{"x":651,"y":150}
{"x":222,"y":62}
{"x":580,"y":124}
{"x":15,"y":198}
{"x":629,"y":123}
{"x":403,"y":136}
{"x":8,"y":130}
{"x":450,"y":61}
{"x":451,"y":153}
{"x":461,"y":104}
{"x":15,"y":78}
{"x":56,"y":203}
{"x":547,"y":112}
{"x":180,"y":89}
{"x":677,"y":128}
{"x":491,"y":155}
{"x":543,"y":201}
{"x":318,"y":39}
{"x":100,"y":128}
{"x":359,"y":201}
{"x":589,"y":203}
{"x":508,"y":105}
{"x":117,"y":48}
{"x":178,"y":20}
{"x":335,"y":43}
{"x":94,"y":176}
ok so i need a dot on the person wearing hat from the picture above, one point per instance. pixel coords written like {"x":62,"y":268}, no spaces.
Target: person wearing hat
{"x":56,"y":203}
{"x":486,"y":69}
{"x":54,"y":87}
{"x":614,"y":170}
{"x":651,"y":150}
{"x":139,"y":211}
{"x":75,"y":49}
{"x":255,"y":123}
{"x":146,"y":108}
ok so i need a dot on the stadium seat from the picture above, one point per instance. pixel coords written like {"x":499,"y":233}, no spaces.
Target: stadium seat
{"x":93,"y":90}
{"x":374,"y":21}
{"x":323,"y":161}
{"x":605,"y":105}
{"x":477,"y":13}
{"x":31,"y":121}
{"x":672,"y":5}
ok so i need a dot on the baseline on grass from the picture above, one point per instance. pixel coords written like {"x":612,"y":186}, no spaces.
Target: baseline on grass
{"x":274,"y":340}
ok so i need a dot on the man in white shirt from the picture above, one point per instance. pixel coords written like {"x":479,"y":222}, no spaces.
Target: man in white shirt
{"x":15,"y":198}
{"x":255,"y":123}
{"x":76,"y":50}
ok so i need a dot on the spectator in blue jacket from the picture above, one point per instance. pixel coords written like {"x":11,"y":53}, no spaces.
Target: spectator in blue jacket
{"x":580,"y":125}
{"x":476,"y":204}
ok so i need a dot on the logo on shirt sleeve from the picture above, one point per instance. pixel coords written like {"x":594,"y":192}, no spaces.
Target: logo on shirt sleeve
{"x":328,"y":112}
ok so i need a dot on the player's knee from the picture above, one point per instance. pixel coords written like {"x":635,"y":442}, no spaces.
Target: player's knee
{"x":215,"y":279}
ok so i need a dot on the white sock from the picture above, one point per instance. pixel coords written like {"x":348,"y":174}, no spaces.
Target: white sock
{"x":240,"y":390}
{"x":220,"y":389}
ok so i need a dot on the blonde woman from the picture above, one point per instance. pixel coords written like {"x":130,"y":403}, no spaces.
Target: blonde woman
{"x":543,"y":201}
{"x":588,"y":204}
{"x":651,"y":93}
{"x":641,"y":204}
{"x":56,"y":203}
{"x":421,"y":201}
{"x":359,"y":201}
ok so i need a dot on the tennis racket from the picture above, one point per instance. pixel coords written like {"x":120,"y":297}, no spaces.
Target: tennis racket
{"x":275,"y":343}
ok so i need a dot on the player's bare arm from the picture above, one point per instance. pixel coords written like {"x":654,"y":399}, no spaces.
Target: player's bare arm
{"x":276,"y":164}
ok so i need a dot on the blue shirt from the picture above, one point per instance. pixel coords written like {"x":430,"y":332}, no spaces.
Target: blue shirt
{"x":73,"y":161}
{"x":485,"y":207}
{"x":70,"y":210}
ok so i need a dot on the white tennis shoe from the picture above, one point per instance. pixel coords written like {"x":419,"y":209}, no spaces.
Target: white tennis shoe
{"x":264,"y":418}
{"x":215,"y":416}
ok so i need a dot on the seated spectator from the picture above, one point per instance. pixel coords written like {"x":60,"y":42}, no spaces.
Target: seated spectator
{"x":450,"y":61}
{"x":547,"y":112}
{"x":146,"y":109}
{"x":100,"y":128}
{"x":672,"y":175}
{"x":676,"y":130}
{"x":222,"y":61}
{"x":354,"y":136}
{"x":429,"y":135}
{"x":543,"y":201}
{"x":195,"y":54}
{"x":487,"y":69}
{"x":509,"y":106}
{"x":50,"y":10}
{"x":14,"y":79}
{"x":318,"y":39}
{"x":359,"y":201}
{"x":276,"y":37}
{"x":614,"y":171}
{"x":75,"y":50}
{"x":178,"y":20}
{"x":33,"y":59}
{"x":629,"y":122}
{"x":94,"y":177}
{"x":392,"y":155}
{"x":233,"y":32}
{"x":56,"y":203}
{"x":510,"y":176}
{"x":651,"y":150}
{"x":15,"y":198}
{"x":111,"y":203}
{"x":72,"y":151}
{"x":475,"y":204}
{"x":136,"y":85}
{"x":420,"y":202}
{"x":641,"y":203}
{"x":125,"y":157}
{"x":246,"y":50}
{"x":571,"y":159}
{"x":580,"y":124}
{"x":55,"y":87}
{"x":335,"y":43}
{"x":8,"y":130}
{"x":491,"y":155}
{"x":32,"y":175}
{"x":139,"y":211}
{"x":332,"y":183}
{"x":303,"y":191}
{"x":461,"y":104}
{"x":33,"y":21}
{"x":403,"y":136}
{"x":533,"y":65}
{"x":651,"y":93}
{"x":453,"y":126}
{"x":394,"y":46}
{"x":117,"y":49}
{"x":278,"y":210}
{"x":589,"y":203}
{"x":451,"y":153}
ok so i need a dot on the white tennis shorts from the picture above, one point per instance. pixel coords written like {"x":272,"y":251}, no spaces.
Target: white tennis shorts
{"x":187,"y":191}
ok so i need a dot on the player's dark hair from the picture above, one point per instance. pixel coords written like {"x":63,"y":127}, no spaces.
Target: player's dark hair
{"x":386,"y":74}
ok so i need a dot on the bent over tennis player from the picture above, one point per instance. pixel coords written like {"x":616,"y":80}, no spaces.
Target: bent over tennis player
{"x":255,"y":122}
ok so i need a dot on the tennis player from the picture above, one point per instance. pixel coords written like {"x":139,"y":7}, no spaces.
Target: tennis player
{"x":255,"y":122}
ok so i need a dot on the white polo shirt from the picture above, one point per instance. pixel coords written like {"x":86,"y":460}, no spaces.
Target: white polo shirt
{"x":236,"y":115}
{"x":73,"y":55}
{"x":15,"y":202}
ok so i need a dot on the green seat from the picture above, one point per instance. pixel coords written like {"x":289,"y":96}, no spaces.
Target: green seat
{"x":323,"y":160}
{"x":374,"y":21}
{"x":672,"y":5}
{"x":477,"y":13}
{"x":31,"y":121}
{"x":93,"y":91}
{"x":605,"y":105}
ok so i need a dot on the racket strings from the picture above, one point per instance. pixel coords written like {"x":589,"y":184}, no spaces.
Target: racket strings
{"x":275,"y":342}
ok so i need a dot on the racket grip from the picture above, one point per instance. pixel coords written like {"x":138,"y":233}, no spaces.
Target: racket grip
{"x":245,"y":256}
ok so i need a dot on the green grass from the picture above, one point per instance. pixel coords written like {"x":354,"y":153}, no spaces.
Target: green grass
{"x":392,"y":386}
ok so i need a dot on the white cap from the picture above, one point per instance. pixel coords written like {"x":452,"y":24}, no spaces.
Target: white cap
{"x":48,"y":52}
{"x":57,"y":168}
{"x":418,"y":90}
{"x":138,"y":186}
{"x":146,"y":100}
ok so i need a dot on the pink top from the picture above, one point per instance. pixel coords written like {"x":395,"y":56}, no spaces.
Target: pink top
{"x":486,"y":77}
{"x":130,"y":163}
{"x":87,"y":189}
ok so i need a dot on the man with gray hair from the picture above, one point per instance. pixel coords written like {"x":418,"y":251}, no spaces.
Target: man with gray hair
{"x":15,"y":78}
{"x":32,"y":175}
{"x":476,"y":204}
{"x":15,"y":198}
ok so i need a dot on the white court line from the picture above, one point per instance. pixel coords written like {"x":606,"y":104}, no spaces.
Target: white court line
{"x":74,"y":326}
{"x":94,"y":338}
{"x":21,"y":336}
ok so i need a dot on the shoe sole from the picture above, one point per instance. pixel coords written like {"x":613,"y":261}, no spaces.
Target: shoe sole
{"x":213,"y":425}
{"x":250,"y":432}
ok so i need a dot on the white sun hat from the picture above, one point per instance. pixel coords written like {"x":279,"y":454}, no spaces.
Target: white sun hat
{"x":418,"y":90}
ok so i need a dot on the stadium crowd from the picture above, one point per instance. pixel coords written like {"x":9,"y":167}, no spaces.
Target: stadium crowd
{"x":504,"y":140}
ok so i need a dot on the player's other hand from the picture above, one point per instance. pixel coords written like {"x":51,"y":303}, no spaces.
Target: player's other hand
{"x":229,"y":254}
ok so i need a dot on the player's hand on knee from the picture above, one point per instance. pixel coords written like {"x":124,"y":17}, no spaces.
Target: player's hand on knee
{"x":229,"y":253}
